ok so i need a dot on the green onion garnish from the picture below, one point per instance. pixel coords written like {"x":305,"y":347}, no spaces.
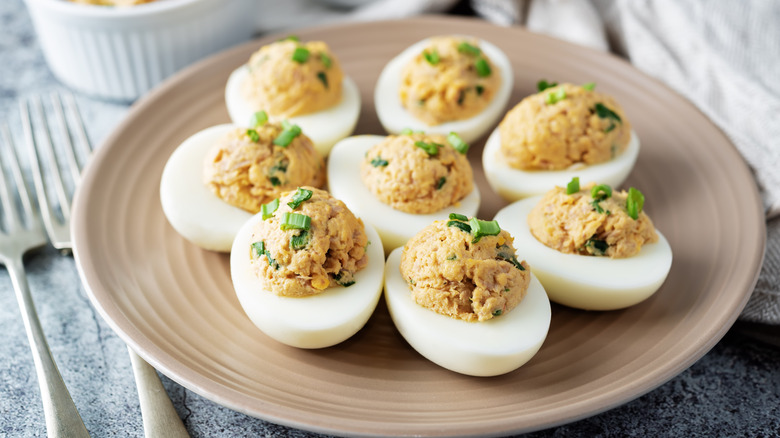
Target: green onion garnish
{"x":291,"y":38}
{"x":457,"y":143}
{"x":469,"y":49}
{"x":295,"y":221}
{"x":431,"y":148}
{"x":480,"y":89}
{"x":432,"y":57}
{"x":409,"y":131}
{"x":601,"y":192}
{"x":300,"y":55}
{"x":483,"y":68}
{"x":258,"y":119}
{"x":346,"y":283}
{"x":259,"y":248}
{"x":507,"y":256}
{"x":460,"y":225}
{"x":287,"y":135}
{"x":300,"y":241}
{"x":299,"y":197}
{"x":458,"y":217}
{"x":452,"y":257}
{"x":598,"y":246}
{"x":253,"y":135}
{"x":590,"y":86}
{"x":323,"y":78}
{"x":573,"y":186}
{"x":605,"y":113}
{"x":634,"y":203}
{"x":480,"y":228}
{"x":556,"y":96}
{"x":379,"y":162}
{"x":440,"y":184}
{"x":325,"y":59}
{"x":274,"y":181}
{"x":497,"y":312}
{"x":543,"y":85}
{"x":268,"y":209}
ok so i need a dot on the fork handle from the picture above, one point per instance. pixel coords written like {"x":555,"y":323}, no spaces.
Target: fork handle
{"x":62,"y":418}
{"x":159,"y":416}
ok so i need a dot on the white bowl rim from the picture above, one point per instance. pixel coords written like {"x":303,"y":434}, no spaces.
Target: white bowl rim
{"x":66,"y":7}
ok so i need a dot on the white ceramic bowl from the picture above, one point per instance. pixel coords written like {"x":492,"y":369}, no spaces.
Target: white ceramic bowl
{"x":119,"y":53}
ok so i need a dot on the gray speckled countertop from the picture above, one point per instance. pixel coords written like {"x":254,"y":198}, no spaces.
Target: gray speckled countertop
{"x":734,"y":390}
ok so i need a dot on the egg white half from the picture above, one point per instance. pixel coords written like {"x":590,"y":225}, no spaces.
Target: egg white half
{"x":316,"y":321}
{"x":514,"y":184}
{"x":324,"y":128}
{"x":394,"y":226}
{"x":487,"y":348}
{"x":588,"y":282}
{"x":193,"y":209}
{"x":395,"y":118}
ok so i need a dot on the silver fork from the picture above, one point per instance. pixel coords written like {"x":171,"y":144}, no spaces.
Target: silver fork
{"x":159,"y":416}
{"x":62,"y":418}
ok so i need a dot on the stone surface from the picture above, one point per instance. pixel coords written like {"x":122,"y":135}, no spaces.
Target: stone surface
{"x":734,"y":390}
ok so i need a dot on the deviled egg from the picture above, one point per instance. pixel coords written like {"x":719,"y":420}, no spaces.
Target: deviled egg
{"x":444,"y":84}
{"x":459,"y":295}
{"x":400,"y":184}
{"x":219,"y":177}
{"x":592,"y":248}
{"x":563,"y":131}
{"x":306,"y":271}
{"x":299,"y":82}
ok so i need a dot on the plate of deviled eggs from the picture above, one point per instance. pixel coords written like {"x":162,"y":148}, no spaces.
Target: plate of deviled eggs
{"x":338,"y":231}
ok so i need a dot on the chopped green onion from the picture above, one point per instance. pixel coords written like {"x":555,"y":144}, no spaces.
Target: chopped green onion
{"x":325,"y":59}
{"x":258,"y":119}
{"x":432,"y":57}
{"x":573,"y":186}
{"x":543,"y":85}
{"x":460,"y":225}
{"x":287,"y":135}
{"x":634,"y":203}
{"x":268,"y":209}
{"x":461,"y":96}
{"x":590,"y":86}
{"x":595,"y":204}
{"x":346,"y":283}
{"x":480,"y":89}
{"x":291,"y":38}
{"x":598,"y":246}
{"x":556,"y":96}
{"x":497,"y":312}
{"x":457,"y":143}
{"x":452,"y":257}
{"x":299,"y":197}
{"x":323,"y":78}
{"x":469,"y":49}
{"x":409,"y":131}
{"x":274,"y":181}
{"x":300,"y":241}
{"x":440,"y":184}
{"x":379,"y":162}
{"x":458,"y":217}
{"x":259,"y":248}
{"x":295,"y":221}
{"x":605,"y":113}
{"x":300,"y":55}
{"x":507,"y":256}
{"x":253,"y":135}
{"x":483,"y":68}
{"x":431,"y":148}
{"x":601,"y":192}
{"x":480,"y":228}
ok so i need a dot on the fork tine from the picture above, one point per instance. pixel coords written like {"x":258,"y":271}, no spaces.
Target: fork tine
{"x":70,"y":153}
{"x":78,"y":125}
{"x":8,"y":204}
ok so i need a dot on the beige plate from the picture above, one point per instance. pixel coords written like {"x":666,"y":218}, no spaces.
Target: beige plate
{"x":175,"y":305}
